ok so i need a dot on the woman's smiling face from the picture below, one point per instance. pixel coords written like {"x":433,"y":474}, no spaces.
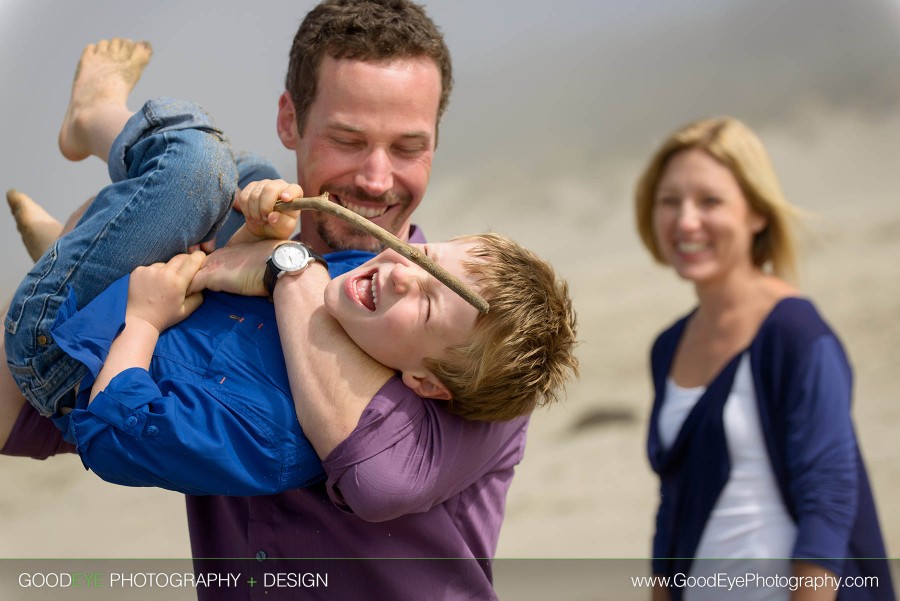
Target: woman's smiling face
{"x":702,"y":221}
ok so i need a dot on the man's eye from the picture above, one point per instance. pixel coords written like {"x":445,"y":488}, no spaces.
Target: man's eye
{"x":347,"y":143}
{"x":410,"y":151}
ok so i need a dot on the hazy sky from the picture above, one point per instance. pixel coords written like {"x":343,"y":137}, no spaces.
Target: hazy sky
{"x":544,"y":90}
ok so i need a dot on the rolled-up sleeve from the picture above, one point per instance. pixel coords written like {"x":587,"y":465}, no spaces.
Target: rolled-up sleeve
{"x":408,"y":454}
{"x":822,"y":456}
{"x":189,"y":440}
{"x":176,"y":428}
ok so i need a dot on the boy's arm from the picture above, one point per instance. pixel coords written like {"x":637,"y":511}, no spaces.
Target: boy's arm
{"x":157,"y":299}
{"x":192,"y":439}
{"x":173,"y":429}
{"x":132,"y":348}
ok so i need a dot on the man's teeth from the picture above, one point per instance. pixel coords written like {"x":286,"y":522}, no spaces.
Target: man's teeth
{"x":691,"y":247}
{"x":367,"y":212}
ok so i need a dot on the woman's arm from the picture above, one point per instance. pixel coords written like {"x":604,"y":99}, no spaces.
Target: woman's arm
{"x":809,"y":572}
{"x":821,"y":454}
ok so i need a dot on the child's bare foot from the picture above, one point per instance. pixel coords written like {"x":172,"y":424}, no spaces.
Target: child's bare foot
{"x":105,"y":76}
{"x":38,"y":228}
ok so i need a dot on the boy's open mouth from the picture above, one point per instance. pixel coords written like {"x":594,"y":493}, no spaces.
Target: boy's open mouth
{"x":364,"y":290}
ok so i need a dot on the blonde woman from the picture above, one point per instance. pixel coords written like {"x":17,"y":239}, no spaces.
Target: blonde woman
{"x":750,"y":432}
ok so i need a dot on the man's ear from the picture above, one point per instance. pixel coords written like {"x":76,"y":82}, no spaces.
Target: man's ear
{"x":426,"y":385}
{"x":287,"y":122}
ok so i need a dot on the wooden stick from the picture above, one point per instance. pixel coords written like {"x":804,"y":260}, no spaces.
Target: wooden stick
{"x":321,"y":203}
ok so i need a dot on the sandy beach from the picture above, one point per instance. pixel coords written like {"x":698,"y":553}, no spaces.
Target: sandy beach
{"x":552,"y":165}
{"x":585,"y":489}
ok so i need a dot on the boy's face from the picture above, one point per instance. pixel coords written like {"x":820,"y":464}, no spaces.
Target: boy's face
{"x":400,"y":314}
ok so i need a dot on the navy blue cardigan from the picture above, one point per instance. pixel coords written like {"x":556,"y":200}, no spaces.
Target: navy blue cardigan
{"x":803,"y":383}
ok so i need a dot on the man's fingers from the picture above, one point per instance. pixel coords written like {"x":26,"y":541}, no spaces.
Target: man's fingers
{"x":191,"y":303}
{"x":198,"y":282}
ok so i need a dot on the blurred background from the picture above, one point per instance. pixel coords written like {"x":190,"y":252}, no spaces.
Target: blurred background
{"x":556,"y":107}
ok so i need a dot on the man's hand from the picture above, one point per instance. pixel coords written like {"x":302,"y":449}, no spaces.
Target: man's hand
{"x":257,"y":203}
{"x":159,"y":295}
{"x":237,"y":268}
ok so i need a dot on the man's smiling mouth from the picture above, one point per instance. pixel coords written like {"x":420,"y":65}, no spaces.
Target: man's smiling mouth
{"x":367,"y":211}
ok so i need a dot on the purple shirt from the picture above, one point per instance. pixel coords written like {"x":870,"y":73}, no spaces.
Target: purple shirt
{"x":421,"y":482}
{"x":410,"y":481}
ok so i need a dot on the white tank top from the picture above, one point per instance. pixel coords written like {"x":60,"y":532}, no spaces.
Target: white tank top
{"x":749,"y":519}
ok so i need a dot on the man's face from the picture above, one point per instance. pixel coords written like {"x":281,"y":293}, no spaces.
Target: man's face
{"x":368,"y":141}
{"x":400,"y":314}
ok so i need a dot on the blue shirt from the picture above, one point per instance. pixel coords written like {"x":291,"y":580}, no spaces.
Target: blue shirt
{"x":214,"y":413}
{"x":803,"y":383}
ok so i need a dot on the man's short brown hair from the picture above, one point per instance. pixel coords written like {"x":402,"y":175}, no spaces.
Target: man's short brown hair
{"x":522,"y":349}
{"x":365,"y":30}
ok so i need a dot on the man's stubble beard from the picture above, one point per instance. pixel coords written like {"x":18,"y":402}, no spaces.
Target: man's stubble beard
{"x":340,"y":235}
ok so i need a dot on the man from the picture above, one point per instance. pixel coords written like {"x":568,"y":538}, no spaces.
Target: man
{"x":366,"y":87}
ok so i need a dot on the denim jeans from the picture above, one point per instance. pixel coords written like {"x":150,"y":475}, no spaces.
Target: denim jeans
{"x":173,"y":179}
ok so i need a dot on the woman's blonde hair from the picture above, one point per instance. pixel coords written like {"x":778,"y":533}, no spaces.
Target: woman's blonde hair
{"x":736,"y":147}
{"x":522,"y":350}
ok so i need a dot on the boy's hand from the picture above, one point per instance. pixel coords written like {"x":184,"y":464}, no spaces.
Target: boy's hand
{"x":158,"y":294}
{"x":257,"y":202}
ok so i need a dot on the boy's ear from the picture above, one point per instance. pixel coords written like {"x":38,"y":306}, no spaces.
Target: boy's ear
{"x":286,"y":123}
{"x":427,"y":385}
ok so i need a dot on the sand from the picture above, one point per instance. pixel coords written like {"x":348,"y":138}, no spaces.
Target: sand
{"x":585,"y":489}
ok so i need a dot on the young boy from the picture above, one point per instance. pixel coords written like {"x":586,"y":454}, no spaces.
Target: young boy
{"x":168,"y":393}
{"x":161,"y":398}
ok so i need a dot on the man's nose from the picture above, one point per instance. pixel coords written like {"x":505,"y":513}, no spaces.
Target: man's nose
{"x":376,"y":174}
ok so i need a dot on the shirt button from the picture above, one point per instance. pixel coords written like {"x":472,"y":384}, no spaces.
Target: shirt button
{"x":261,"y":556}
{"x":131,"y":421}
{"x":42,"y":340}
{"x":152,"y":430}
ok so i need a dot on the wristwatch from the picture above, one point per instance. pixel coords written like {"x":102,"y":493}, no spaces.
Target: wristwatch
{"x":288,"y":258}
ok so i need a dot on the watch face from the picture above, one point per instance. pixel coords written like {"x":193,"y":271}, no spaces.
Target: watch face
{"x":290,"y":257}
